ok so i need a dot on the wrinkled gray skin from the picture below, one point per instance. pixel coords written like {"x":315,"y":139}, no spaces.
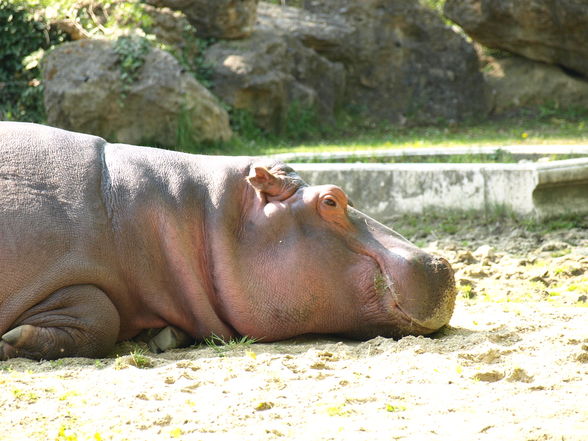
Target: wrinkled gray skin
{"x":100,"y":241}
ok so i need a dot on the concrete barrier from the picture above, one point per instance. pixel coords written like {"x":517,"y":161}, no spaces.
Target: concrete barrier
{"x":539,"y":189}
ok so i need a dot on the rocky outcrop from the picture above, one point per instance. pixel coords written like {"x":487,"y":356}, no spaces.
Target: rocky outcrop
{"x":84,"y":92}
{"x":517,"y":82}
{"x":327,"y":34}
{"x":270,"y":72}
{"x":397,"y":60}
{"x":552,"y":31}
{"x":169,"y":26}
{"x":225,"y":19}
{"x":402,"y":61}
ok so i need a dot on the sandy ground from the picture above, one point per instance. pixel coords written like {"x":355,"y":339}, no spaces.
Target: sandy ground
{"x":513,"y":365}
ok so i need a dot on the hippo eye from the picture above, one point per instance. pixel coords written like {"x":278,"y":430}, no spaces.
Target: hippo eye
{"x":330,"y":202}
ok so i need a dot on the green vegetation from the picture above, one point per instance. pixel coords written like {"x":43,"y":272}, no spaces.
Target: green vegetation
{"x":22,"y":41}
{"x":222,"y":346}
{"x":92,"y":18}
{"x":419,"y":226}
{"x":131,"y":52}
{"x":28,"y":28}
{"x":29,"y":397}
{"x":136,"y":358}
{"x":499,"y":156}
{"x":395,"y":408}
{"x":436,"y":5}
{"x":543,"y":125}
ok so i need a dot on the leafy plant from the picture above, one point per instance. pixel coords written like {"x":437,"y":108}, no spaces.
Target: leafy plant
{"x":131,"y":52}
{"x":21,"y":93}
{"x":437,"y":5}
{"x":16,"y":23}
{"x":301,"y":122}
{"x":91,"y":17}
{"x":191,"y":54}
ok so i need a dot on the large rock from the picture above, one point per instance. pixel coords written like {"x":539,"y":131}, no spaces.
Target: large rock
{"x":169,"y":26}
{"x":402,"y":61}
{"x":399,"y":61}
{"x":518,"y":82}
{"x":327,"y":34}
{"x":270,"y":72}
{"x":84,"y":92}
{"x":552,"y":31}
{"x":225,"y":19}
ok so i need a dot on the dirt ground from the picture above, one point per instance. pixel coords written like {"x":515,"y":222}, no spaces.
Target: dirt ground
{"x":513,"y":366}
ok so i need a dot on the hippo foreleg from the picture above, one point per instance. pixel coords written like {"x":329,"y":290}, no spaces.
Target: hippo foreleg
{"x":169,"y":337}
{"x":76,"y":321}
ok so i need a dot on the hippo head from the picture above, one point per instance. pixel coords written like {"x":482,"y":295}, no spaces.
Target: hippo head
{"x":310,"y":263}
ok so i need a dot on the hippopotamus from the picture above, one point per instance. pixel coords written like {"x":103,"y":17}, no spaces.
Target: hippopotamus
{"x":101,"y":241}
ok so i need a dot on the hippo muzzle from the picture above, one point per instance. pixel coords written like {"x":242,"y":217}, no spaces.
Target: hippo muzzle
{"x":422,"y":287}
{"x":418,"y":288}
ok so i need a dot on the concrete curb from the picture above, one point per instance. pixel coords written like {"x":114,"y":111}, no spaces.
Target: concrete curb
{"x":539,"y":189}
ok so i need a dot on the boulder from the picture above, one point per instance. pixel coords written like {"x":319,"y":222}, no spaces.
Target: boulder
{"x":518,"y":82}
{"x":84,"y":92}
{"x":550,"y":31}
{"x":402,"y":61}
{"x":224,"y":19}
{"x":327,"y":34}
{"x":169,"y":26}
{"x":270,"y":72}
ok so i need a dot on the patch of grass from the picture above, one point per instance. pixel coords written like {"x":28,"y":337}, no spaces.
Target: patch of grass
{"x":136,"y":358}
{"x":301,"y":123}
{"x":338,"y":410}
{"x":561,"y":270}
{"x":56,"y":364}
{"x":580,"y":287}
{"x":566,"y":222}
{"x":561,"y":253}
{"x":176,"y":433}
{"x":66,"y":396}
{"x":139,"y":360}
{"x":222,"y":346}
{"x":29,"y":397}
{"x":394,"y":408}
{"x":500,"y":156}
{"x":351,"y":133}
{"x":440,"y":223}
{"x":466,"y":291}
{"x":65,"y":433}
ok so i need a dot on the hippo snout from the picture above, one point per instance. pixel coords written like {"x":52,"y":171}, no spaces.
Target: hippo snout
{"x":425,"y":290}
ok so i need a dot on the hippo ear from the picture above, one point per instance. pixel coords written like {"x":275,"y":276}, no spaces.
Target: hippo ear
{"x":275,"y":185}
{"x":261,"y":179}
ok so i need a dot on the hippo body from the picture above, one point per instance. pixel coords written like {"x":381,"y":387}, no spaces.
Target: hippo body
{"x":100,"y":241}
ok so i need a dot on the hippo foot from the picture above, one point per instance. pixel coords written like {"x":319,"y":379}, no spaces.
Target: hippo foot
{"x":77,"y":320}
{"x":169,"y":337}
{"x":22,"y":342}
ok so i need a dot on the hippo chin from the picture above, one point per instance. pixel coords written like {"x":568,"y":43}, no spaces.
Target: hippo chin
{"x":100,"y":241}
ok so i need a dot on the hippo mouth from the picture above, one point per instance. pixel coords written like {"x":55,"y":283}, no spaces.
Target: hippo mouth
{"x":406,"y":324}
{"x":410,"y":325}
{"x":416,"y":307}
